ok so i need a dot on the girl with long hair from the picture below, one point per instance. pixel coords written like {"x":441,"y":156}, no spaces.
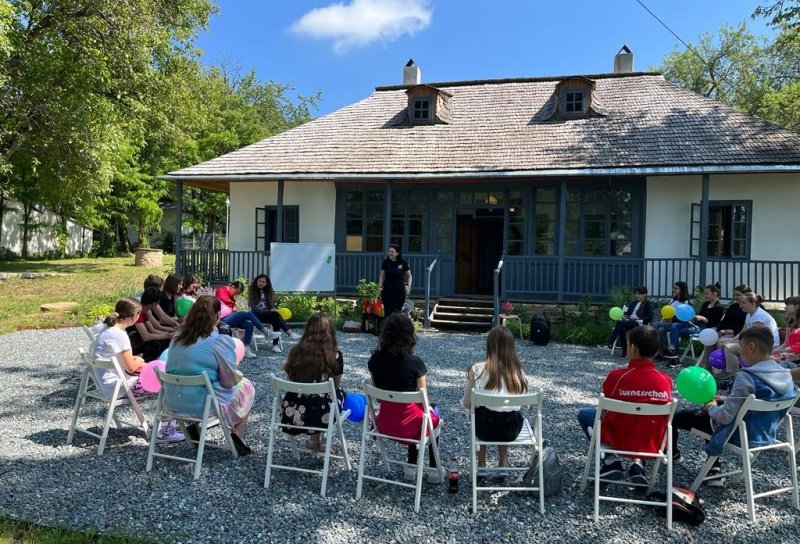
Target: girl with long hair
{"x":315,"y":358}
{"x":394,"y":367}
{"x":501,"y":373}
{"x":680,"y":295}
{"x":730,"y":325}
{"x":236,"y":319}
{"x":709,"y":315}
{"x":198,"y":348}
{"x":261,"y":300}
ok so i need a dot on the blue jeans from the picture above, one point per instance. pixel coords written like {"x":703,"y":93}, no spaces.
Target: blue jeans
{"x":675,"y":333}
{"x":586,"y":418}
{"x":246,"y":321}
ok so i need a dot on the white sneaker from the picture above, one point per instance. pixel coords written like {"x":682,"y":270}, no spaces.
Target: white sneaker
{"x":169,"y":433}
{"x":276,"y":349}
{"x":291,"y":335}
{"x":249,"y":353}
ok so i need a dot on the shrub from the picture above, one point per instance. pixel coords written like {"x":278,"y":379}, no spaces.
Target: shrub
{"x":168,"y":242}
{"x":99,"y":310}
{"x":582,"y":327}
{"x":621,"y":296}
{"x":367,"y":289}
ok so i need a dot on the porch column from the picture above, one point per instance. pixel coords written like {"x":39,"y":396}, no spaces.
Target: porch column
{"x":387,"y":217}
{"x":279,"y":214}
{"x":178,"y":226}
{"x":703,"y":249}
{"x":562,"y":221}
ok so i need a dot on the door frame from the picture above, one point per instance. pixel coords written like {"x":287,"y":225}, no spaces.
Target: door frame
{"x":471,"y":209}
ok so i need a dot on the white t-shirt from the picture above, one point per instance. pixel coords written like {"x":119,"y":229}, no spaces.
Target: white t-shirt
{"x":763,"y":317}
{"x":482,"y":379}
{"x":110,"y":341}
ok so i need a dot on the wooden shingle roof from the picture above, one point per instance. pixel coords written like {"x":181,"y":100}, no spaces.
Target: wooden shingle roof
{"x":497,"y":129}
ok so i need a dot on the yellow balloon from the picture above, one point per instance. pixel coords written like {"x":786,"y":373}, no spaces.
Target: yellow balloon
{"x":285,"y":313}
{"x":667,"y":312}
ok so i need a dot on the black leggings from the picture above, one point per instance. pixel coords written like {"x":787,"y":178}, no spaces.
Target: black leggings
{"x":393,"y":298}
{"x":412,"y":454}
{"x":149,"y":350}
{"x":687,"y":420}
{"x":272,"y":317}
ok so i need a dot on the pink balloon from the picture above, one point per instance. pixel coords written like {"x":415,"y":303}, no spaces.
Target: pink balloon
{"x":239,"y":348}
{"x":147,"y":377}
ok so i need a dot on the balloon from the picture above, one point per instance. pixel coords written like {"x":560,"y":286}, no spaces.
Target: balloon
{"x":147,"y":377}
{"x":285,"y":313}
{"x":615,"y":313}
{"x":709,"y":337}
{"x":183,"y":305}
{"x":717,"y":359}
{"x":696,"y":384}
{"x":794,"y":340}
{"x":685,"y":312}
{"x":164,"y":355}
{"x":357,"y":404}
{"x":239,"y":349}
{"x":667,"y":312}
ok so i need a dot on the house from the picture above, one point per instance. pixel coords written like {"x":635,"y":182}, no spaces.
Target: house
{"x":576,"y":183}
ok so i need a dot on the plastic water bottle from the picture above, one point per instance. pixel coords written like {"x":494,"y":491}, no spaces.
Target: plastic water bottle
{"x":452,"y":476}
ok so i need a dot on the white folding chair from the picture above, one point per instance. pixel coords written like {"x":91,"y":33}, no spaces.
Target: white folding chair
{"x":211,"y":415}
{"x":426,"y":438}
{"x":265,"y":338}
{"x":689,"y":352}
{"x":89,"y":388}
{"x":529,"y":437}
{"x":89,"y":333}
{"x":794,"y":411}
{"x":280,"y":387}
{"x":748,"y":454}
{"x":597,"y":451}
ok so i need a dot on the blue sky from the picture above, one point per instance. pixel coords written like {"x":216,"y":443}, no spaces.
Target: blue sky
{"x":345,"y":49}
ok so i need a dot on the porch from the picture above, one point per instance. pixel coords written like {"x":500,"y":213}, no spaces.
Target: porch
{"x":556,"y":279}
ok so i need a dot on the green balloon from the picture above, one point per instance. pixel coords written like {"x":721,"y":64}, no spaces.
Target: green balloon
{"x":696,"y":384}
{"x":182,"y":306}
{"x":615,"y":313}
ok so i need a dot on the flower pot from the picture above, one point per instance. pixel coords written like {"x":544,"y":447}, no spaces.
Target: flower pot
{"x":148,"y":257}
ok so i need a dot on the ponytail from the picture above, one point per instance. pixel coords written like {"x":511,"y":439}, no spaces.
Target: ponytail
{"x":125,"y":308}
{"x":111,"y":319}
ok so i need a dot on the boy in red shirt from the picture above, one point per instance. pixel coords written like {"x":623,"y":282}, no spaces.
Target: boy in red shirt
{"x":639,"y":382}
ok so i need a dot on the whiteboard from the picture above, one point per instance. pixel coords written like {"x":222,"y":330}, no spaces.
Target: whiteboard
{"x":303,"y":267}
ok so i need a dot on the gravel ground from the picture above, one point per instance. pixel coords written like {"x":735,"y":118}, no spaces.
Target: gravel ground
{"x":46,"y":482}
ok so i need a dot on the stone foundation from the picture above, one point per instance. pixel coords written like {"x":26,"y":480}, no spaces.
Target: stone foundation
{"x":148,"y":257}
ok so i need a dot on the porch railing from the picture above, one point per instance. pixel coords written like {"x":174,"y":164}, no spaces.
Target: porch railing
{"x":427,"y":316}
{"x":497,"y":286}
{"x":530,"y":277}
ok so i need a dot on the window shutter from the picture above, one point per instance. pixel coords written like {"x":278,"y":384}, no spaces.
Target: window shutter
{"x":694,"y":232}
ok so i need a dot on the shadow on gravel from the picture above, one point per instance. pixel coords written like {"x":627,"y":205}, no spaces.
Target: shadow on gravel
{"x":57,"y":437}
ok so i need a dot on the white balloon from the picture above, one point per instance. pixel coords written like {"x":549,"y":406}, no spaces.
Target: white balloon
{"x":709,"y":337}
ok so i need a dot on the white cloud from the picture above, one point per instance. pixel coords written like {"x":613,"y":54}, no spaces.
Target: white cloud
{"x":364,"y":21}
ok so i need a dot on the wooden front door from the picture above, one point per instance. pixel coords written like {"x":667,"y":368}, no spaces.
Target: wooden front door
{"x":465,"y":254}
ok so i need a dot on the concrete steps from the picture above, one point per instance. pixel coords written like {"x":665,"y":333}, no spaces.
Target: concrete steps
{"x":463,"y":313}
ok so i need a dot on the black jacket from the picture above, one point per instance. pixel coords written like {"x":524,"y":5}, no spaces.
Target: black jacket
{"x":645,"y":312}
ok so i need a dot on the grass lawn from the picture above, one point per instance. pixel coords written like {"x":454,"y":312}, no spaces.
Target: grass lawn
{"x":20,"y":532}
{"x":92,"y":283}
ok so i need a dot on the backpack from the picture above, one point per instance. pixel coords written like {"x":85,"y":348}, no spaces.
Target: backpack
{"x":551,"y":469}
{"x":540,"y":329}
{"x":685,"y":505}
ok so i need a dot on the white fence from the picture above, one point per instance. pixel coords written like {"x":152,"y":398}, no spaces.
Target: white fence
{"x":43,"y":239}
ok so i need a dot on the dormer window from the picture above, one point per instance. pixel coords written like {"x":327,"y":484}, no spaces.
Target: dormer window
{"x":421,"y":110}
{"x":574,"y":101}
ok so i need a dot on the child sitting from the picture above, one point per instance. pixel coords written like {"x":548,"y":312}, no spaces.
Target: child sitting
{"x":639,"y":382}
{"x":762,"y":377}
{"x":500,"y":373}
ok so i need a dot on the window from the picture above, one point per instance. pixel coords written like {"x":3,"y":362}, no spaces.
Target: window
{"x":267,"y":222}
{"x":728,"y":229}
{"x":421,"y":110}
{"x":444,"y":221}
{"x":364,"y":220}
{"x":599,"y":222}
{"x":573,"y":101}
{"x":516,"y":223}
{"x":544,"y":220}
{"x":410,"y":220}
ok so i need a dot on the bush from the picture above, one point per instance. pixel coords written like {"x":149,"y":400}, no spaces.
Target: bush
{"x":98,"y":311}
{"x":6,"y":255}
{"x":582,"y":327}
{"x":621,"y":296}
{"x":168,"y":242}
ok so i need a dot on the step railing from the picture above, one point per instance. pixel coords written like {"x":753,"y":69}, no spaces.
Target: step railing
{"x":497,"y":285}
{"x":427,"y":319}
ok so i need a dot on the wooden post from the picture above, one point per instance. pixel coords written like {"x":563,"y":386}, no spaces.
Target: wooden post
{"x":703,"y":249}
{"x":178,"y":226}
{"x":279,"y":214}
{"x":562,"y":221}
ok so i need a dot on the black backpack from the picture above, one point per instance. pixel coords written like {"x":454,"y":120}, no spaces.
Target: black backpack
{"x":540,"y":329}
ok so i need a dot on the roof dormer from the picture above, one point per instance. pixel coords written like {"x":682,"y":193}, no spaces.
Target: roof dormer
{"x":573,"y":98}
{"x":428,"y":105}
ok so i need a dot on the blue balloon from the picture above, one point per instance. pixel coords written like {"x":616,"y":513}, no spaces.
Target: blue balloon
{"x":164,"y":355}
{"x":685,"y":312}
{"x":357,"y":404}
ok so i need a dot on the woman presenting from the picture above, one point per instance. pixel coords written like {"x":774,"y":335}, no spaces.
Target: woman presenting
{"x":395,"y":281}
